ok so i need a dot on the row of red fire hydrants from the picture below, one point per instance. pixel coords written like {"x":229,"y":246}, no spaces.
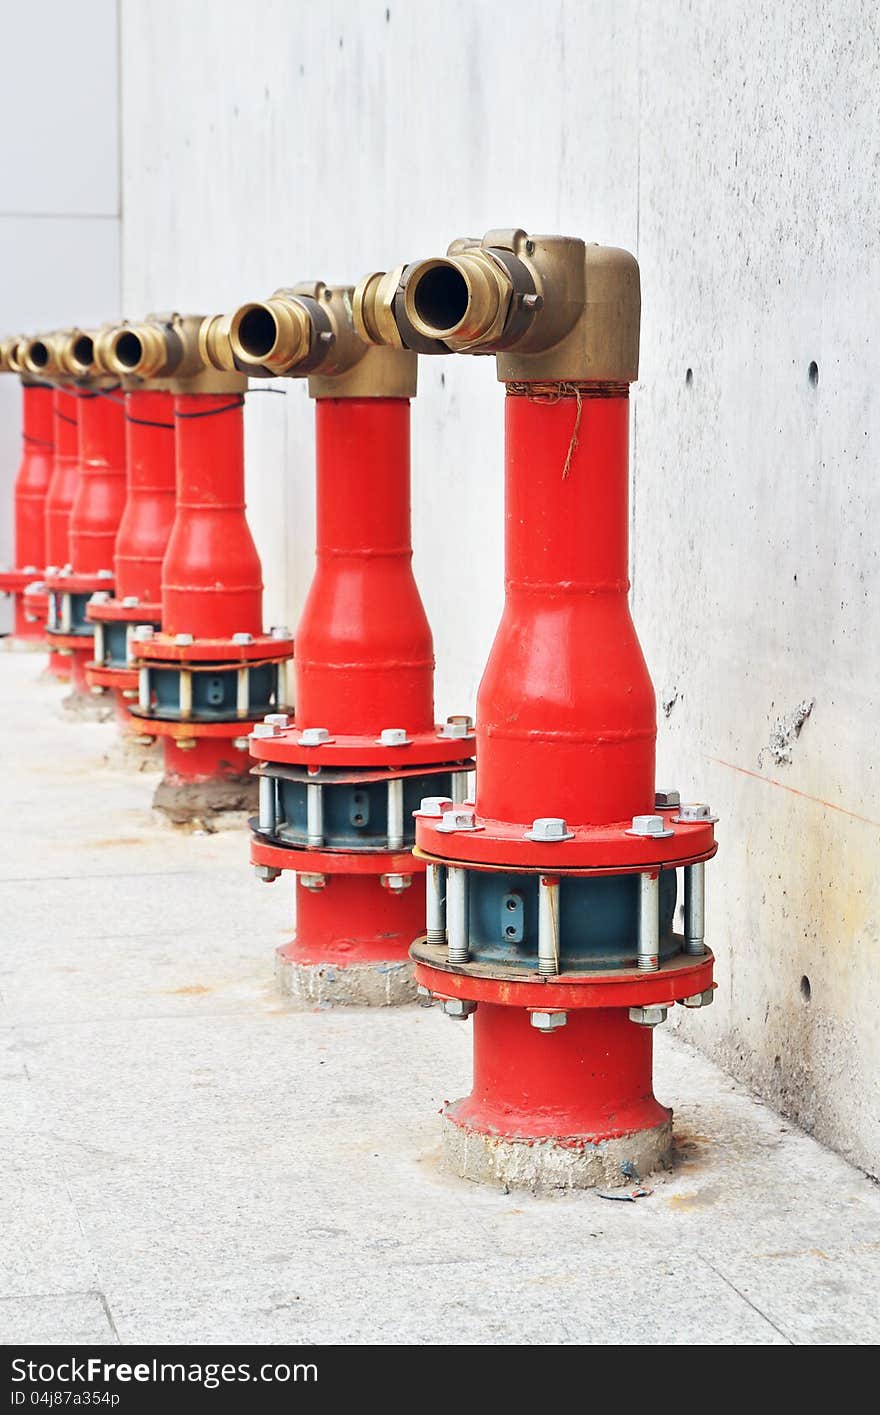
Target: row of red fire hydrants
{"x":543,"y":907}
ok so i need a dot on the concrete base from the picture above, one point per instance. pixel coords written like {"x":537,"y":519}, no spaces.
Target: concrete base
{"x":310,"y":985}
{"x":88,"y":707}
{"x":540,"y":1165}
{"x":200,"y":801}
{"x":11,"y":644}
{"x":126,"y":753}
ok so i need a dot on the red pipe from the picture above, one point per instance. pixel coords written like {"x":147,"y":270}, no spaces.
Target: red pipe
{"x":142,"y":538}
{"x":590,"y":1080}
{"x":60,"y":497}
{"x":212,"y":583}
{"x":364,"y":653}
{"x":65,"y":476}
{"x":100,"y":494}
{"x":566,"y":720}
{"x":31,"y":487}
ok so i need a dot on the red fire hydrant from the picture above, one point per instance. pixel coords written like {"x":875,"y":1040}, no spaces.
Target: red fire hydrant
{"x":552,"y":900}
{"x":31,"y":486}
{"x":338,"y":790}
{"x":211,"y":672}
{"x":141,"y":540}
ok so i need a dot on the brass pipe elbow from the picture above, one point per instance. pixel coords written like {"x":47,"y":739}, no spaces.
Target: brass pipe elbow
{"x":550,"y":307}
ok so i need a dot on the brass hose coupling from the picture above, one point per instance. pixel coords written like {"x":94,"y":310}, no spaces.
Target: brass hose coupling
{"x":551,"y":307}
{"x":307,"y":331}
{"x":163,"y":352}
{"x":9,"y":354}
{"x":64,"y":356}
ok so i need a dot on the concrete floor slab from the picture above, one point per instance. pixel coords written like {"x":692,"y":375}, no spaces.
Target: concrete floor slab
{"x":186,"y":1159}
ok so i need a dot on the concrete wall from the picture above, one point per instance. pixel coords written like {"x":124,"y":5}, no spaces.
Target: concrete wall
{"x":59,"y":194}
{"x":735,"y":150}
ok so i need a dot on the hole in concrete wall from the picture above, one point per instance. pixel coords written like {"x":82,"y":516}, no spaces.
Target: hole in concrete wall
{"x":387,"y":17}
{"x":806,"y":990}
{"x":813,"y":374}
{"x":689,"y":377}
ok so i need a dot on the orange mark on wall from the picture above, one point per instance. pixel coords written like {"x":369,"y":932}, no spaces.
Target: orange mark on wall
{"x":771,"y":781}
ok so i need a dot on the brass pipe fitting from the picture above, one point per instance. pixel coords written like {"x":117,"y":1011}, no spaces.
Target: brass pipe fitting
{"x":38,"y":356}
{"x":164,"y":351}
{"x":307,"y":331}
{"x":76,"y":354}
{"x":552,"y":308}
{"x":9,"y":354}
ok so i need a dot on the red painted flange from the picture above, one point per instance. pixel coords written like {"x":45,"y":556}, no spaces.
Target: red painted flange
{"x":98,"y":675}
{"x":335,"y":862}
{"x":683,"y":976}
{"x":16,"y":581}
{"x":600,"y":849}
{"x":163,"y":649}
{"x":162,"y":727}
{"x":67,"y":582}
{"x":113,"y":611}
{"x":424,"y":748}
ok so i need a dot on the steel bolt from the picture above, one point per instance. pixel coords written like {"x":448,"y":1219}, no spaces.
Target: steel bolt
{"x":240,"y":744}
{"x":266,"y":873}
{"x":549,"y":828}
{"x":143,"y":633}
{"x":665,"y":800}
{"x":130,"y":601}
{"x":312,"y":882}
{"x":458,"y":1008}
{"x":278,"y":719}
{"x":434,"y":806}
{"x":648,"y":1016}
{"x":424,"y":996}
{"x":395,"y":884}
{"x":105,"y":575}
{"x":264,"y":729}
{"x":457,"y":820}
{"x":393,"y":737}
{"x":699,"y":999}
{"x":280,"y":631}
{"x":99,"y":597}
{"x":695,"y":811}
{"x":242,"y":638}
{"x":185,"y":744}
{"x":183,"y":639}
{"x":314,"y":736}
{"x":548,"y":1021}
{"x":649,"y":827}
{"x":460,"y":725}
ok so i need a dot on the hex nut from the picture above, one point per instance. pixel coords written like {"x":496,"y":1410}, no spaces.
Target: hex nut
{"x":648,"y":1016}
{"x":183,"y":639}
{"x":241,"y":638}
{"x":130,"y":601}
{"x":666,"y":800}
{"x":459,"y":725}
{"x":280,"y":631}
{"x":695,"y":811}
{"x":548,"y":1021}
{"x":548,"y":829}
{"x":457,"y":819}
{"x":312,"y":882}
{"x":393,"y":737}
{"x":265,"y":729}
{"x":278,"y":719}
{"x":266,"y":873}
{"x":314,"y":736}
{"x":699,"y":999}
{"x":424,"y":996}
{"x":458,"y":1008}
{"x":649,"y":827}
{"x":395,"y":884}
{"x":434,"y":806}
